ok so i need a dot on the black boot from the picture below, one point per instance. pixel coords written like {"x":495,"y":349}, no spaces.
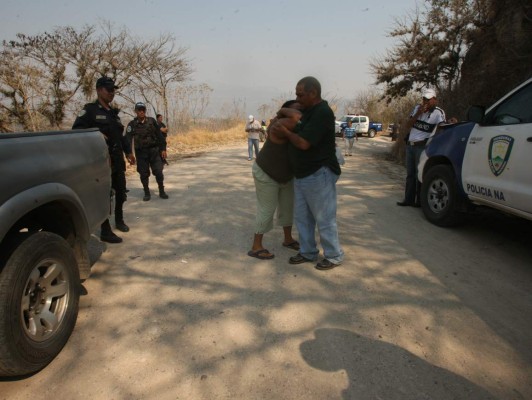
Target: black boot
{"x":121,"y":226}
{"x":107,"y":235}
{"x":147,"y":195}
{"x":119,"y":215}
{"x":162,"y":193}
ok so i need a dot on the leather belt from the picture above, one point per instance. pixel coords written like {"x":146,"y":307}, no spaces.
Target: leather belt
{"x":419,"y":143}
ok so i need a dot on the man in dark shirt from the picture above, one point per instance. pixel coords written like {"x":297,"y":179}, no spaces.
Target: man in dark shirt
{"x":316,"y":170}
{"x":101,"y":115}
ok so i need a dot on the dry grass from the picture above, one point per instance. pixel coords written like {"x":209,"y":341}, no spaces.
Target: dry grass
{"x":189,"y":144}
{"x":203,"y":140}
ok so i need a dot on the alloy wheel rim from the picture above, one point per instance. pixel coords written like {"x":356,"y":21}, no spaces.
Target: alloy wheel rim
{"x":44,"y":300}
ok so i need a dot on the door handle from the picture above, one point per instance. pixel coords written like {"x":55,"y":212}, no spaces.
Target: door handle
{"x":529,"y":139}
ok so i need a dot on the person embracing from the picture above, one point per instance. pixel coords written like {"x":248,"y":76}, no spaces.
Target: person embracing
{"x":316,"y":170}
{"x":274,"y":185}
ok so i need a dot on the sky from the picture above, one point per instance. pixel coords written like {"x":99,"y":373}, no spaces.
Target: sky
{"x":251,"y":51}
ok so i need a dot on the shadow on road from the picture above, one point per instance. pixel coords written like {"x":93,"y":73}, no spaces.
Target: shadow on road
{"x":379,"y":370}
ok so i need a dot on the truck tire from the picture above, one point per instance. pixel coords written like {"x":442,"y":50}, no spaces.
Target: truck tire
{"x":372,"y":133}
{"x":440,"y":200}
{"x":39,"y":300}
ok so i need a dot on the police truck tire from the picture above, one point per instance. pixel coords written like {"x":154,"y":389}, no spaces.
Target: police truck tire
{"x":371,"y":133}
{"x":39,"y":300}
{"x":440,"y":199}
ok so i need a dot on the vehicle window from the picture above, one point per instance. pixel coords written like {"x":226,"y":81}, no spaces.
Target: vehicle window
{"x":356,"y":120}
{"x":363,"y":119}
{"x":514,"y":110}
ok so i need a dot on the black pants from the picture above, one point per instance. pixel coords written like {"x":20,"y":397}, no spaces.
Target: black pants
{"x":118,"y":183}
{"x":146,"y":159}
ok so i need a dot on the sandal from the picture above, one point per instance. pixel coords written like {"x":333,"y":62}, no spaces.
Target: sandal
{"x":261,"y":254}
{"x":293,"y":245}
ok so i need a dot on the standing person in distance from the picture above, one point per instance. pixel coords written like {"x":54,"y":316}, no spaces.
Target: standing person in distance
{"x":150,"y":149}
{"x":264,"y":131}
{"x":101,"y":115}
{"x":253,"y":129}
{"x":164,"y":131}
{"x":162,"y":126}
{"x":350,"y":135}
{"x":423,"y":120}
{"x":316,"y":170}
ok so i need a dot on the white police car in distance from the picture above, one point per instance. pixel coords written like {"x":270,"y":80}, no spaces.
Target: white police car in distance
{"x":485,"y":161}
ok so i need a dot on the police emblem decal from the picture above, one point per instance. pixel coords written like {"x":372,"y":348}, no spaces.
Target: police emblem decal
{"x":499,"y":153}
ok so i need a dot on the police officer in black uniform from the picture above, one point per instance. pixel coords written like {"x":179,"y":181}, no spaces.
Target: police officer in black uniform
{"x":150,"y":149}
{"x":101,"y":115}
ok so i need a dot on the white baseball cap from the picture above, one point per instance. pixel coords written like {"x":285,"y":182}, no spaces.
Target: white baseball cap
{"x":251,"y":118}
{"x":429,"y":94}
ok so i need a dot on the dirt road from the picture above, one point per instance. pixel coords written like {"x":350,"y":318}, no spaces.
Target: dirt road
{"x":179,"y":311}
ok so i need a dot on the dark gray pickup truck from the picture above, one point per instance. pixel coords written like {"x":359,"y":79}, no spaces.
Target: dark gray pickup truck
{"x":54,"y":192}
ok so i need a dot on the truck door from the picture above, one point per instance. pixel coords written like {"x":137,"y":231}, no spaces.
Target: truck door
{"x":356,"y":125}
{"x":497,"y":166}
{"x":364,"y":124}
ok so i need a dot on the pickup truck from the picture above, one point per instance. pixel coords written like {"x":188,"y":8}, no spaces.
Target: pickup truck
{"x":362,"y":123}
{"x":55,"y":193}
{"x":484,"y":161}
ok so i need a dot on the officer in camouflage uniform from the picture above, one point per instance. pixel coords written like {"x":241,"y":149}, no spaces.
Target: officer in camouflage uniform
{"x":101,"y":115}
{"x":150,"y":149}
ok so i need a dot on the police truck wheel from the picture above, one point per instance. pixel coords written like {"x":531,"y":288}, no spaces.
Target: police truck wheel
{"x":39,"y":297}
{"x":439,"y":196}
{"x":371,"y":133}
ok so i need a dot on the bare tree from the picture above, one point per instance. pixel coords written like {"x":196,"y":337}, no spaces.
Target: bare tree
{"x":21,"y":92}
{"x":161,"y":65}
{"x":58,"y":70}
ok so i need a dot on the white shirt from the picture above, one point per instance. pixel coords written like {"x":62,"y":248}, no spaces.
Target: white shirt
{"x":253,"y":129}
{"x":425,"y":124}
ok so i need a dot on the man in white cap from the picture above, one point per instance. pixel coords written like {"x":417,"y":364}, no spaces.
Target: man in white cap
{"x":253,"y":129}
{"x":423,"y":121}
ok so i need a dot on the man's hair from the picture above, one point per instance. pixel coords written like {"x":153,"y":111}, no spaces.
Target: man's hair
{"x":158,"y":115}
{"x":309,"y":83}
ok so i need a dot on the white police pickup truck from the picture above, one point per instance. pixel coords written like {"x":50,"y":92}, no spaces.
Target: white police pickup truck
{"x":486,"y":161}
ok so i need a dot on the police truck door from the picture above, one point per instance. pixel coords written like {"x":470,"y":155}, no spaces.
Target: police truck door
{"x":498,"y":159}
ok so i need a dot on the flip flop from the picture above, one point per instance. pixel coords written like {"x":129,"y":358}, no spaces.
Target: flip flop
{"x":260,"y":254}
{"x":294,"y":245}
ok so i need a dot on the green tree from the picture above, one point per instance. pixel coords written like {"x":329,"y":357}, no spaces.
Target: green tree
{"x":432,"y":44}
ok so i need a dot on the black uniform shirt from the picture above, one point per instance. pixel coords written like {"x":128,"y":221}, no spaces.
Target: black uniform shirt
{"x":145,"y":134}
{"x":94,"y":115}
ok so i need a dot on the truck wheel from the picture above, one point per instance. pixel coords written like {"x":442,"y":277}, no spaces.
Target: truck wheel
{"x":371,"y":133}
{"x":439,"y":196}
{"x":39,"y":299}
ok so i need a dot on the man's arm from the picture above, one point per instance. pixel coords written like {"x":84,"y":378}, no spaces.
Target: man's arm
{"x":279,"y":129}
{"x":414,"y":116}
{"x":82,"y":120}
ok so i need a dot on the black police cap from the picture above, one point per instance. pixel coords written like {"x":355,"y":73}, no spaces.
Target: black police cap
{"x":106,"y":82}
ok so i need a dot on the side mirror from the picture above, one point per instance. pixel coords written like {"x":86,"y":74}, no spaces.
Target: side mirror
{"x":476,"y":114}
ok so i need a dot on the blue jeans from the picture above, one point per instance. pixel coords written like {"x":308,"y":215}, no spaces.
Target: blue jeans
{"x":315,"y":205}
{"x":253,"y":143}
{"x":413,"y":186}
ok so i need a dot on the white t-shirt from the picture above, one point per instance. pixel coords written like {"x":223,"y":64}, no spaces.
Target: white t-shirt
{"x":425,"y":124}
